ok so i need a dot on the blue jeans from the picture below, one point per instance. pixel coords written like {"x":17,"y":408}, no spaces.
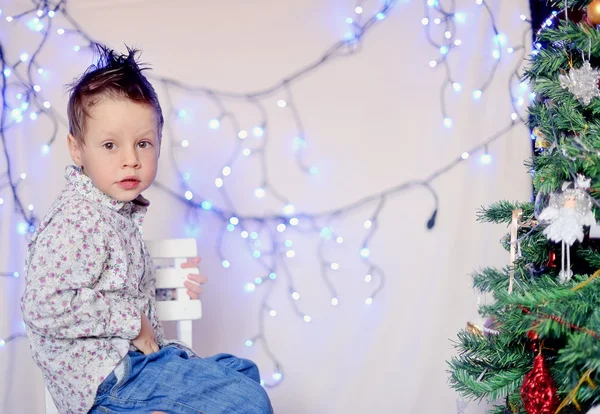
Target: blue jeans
{"x":170,"y":381}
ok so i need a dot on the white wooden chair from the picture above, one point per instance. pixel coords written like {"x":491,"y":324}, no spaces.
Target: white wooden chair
{"x":168,"y":256}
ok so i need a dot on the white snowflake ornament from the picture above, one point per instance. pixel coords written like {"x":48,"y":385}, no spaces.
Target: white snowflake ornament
{"x":582,"y":82}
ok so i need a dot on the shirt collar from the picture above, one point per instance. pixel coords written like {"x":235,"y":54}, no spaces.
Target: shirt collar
{"x":83,"y":185}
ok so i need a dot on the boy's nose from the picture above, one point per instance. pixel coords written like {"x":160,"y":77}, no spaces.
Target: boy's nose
{"x":130,"y":160}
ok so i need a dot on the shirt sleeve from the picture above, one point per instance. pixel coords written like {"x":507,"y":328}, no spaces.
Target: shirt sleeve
{"x":149,"y":289}
{"x":62,"y":298}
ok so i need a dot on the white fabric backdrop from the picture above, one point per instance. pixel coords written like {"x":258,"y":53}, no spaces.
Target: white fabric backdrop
{"x":373,"y":121}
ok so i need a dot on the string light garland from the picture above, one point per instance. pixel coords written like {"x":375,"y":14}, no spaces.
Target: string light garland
{"x":267,"y":238}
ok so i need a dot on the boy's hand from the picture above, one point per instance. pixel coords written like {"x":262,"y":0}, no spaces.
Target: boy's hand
{"x":194,"y":282}
{"x":146,"y":340}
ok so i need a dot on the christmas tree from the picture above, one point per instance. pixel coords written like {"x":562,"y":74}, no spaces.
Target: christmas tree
{"x":539,"y":351}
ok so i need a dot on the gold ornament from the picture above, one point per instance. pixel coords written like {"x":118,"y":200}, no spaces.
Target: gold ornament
{"x":593,"y":12}
{"x":474,"y":329}
{"x":540,"y":139}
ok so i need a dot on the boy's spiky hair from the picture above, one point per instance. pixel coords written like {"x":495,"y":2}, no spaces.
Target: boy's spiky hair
{"x":115,"y":76}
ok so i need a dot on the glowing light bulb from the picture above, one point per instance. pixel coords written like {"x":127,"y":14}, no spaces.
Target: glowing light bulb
{"x":225,"y":264}
{"x":243,"y":134}
{"x":189,"y":195}
{"x":369,"y":301}
{"x":368,"y":278}
{"x":295,"y":295}
{"x":365,"y":252}
{"x":234,"y":220}
{"x":214,"y":124}
{"x":219,"y":182}
{"x":335,"y":301}
{"x":226,"y":171}
{"x":22,"y":228}
{"x":288,"y":209}
{"x":464,"y":155}
{"x":273,"y":313}
{"x":307,"y":318}
{"x":281,"y":227}
{"x":486,"y":158}
{"x":368,"y":224}
{"x":477,"y":94}
{"x":249,"y":287}
{"x":206,"y":205}
{"x":249,"y":343}
{"x":258,"y":131}
{"x":259,"y":192}
{"x":334,"y":266}
{"x":290,"y":254}
{"x":281,"y":103}
{"x":294,"y":221}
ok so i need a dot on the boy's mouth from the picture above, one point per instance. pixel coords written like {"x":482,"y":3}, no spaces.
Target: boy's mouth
{"x":129,"y":183}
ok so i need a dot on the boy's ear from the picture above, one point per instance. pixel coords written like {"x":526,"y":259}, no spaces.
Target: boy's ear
{"x":74,"y":149}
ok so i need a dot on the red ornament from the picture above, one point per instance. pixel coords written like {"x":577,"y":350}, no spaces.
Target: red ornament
{"x":551,"y":259}
{"x":533,"y":335}
{"x":538,"y":391}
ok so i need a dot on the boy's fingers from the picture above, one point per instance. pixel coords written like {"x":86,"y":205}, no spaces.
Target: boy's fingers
{"x":191,"y":262}
{"x":201,"y":279}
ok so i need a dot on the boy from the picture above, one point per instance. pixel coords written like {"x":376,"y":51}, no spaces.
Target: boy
{"x":89,"y":301}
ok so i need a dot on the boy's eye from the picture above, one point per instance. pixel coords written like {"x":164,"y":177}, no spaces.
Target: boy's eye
{"x":144,"y":144}
{"x":109,"y":145}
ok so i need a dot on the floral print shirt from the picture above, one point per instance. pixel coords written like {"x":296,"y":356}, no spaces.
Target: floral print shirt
{"x":88,"y":278}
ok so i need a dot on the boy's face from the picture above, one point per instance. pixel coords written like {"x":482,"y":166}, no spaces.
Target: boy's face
{"x":121,"y":148}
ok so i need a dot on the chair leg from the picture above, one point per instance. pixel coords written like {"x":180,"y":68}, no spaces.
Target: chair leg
{"x":50,"y":407}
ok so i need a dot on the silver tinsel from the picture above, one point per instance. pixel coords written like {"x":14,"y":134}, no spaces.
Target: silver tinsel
{"x":582,"y":82}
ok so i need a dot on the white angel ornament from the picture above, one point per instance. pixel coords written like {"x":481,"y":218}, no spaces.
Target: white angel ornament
{"x":567,"y":213}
